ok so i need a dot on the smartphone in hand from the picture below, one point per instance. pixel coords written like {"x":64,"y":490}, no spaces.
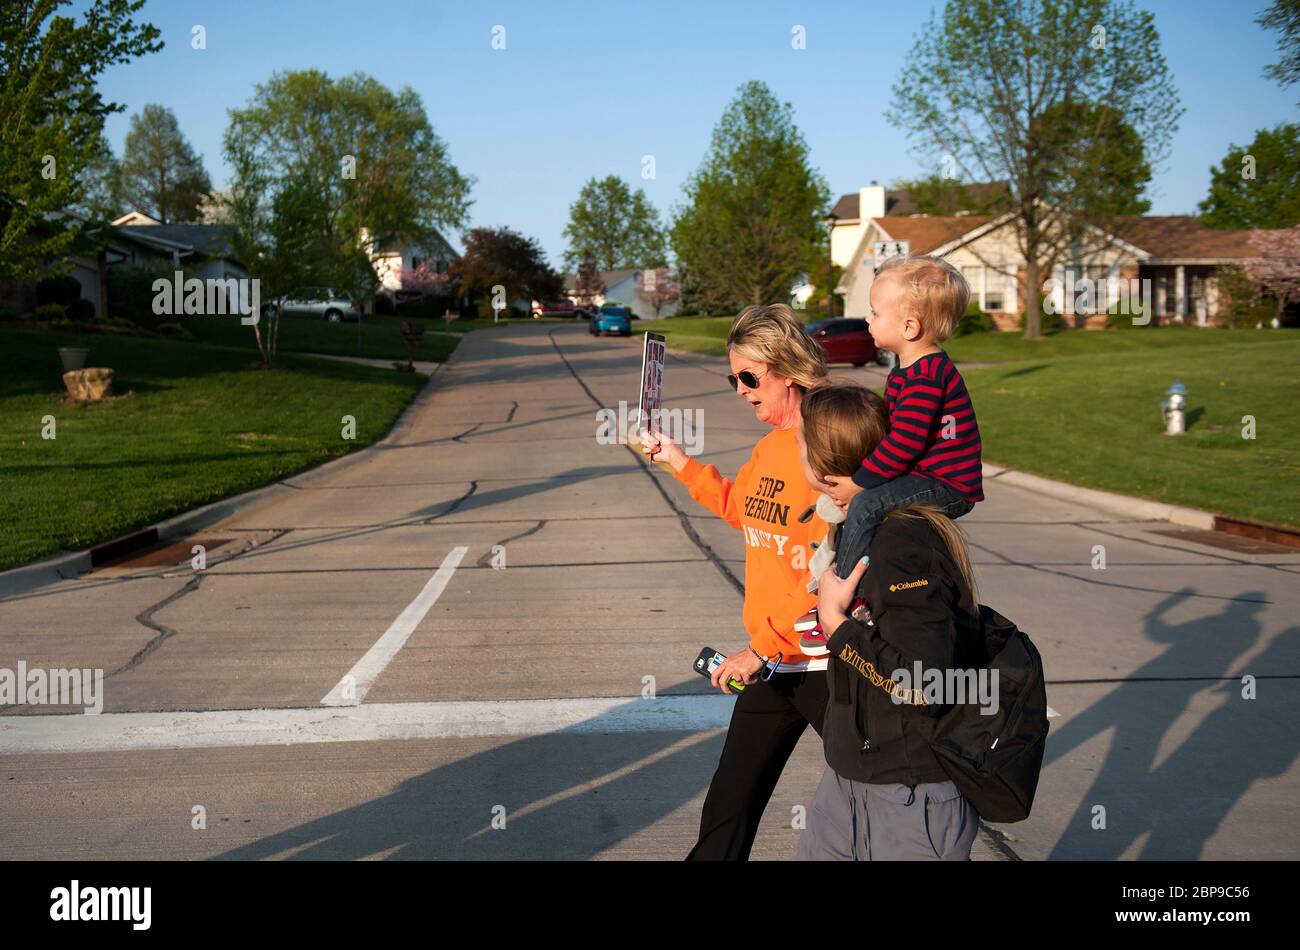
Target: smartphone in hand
{"x":708,"y":661}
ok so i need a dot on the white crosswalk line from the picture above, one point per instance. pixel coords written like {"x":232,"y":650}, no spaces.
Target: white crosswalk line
{"x":352,"y":688}
{"x":124,"y":732}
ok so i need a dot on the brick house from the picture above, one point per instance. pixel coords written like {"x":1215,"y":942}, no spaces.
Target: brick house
{"x":1173,"y":260}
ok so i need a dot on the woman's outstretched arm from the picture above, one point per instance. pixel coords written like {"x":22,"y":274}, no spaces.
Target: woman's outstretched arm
{"x":706,"y":484}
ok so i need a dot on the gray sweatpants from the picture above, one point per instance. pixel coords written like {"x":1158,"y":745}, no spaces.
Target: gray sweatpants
{"x":850,"y":821}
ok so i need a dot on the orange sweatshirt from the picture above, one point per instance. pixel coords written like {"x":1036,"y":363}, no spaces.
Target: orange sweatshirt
{"x":765,"y":502}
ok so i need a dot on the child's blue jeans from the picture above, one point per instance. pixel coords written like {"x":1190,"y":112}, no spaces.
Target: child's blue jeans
{"x":869,"y":506}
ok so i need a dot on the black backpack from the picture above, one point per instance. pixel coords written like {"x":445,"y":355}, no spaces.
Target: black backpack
{"x":995,"y":760}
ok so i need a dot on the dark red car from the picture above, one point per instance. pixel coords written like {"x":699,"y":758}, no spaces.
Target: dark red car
{"x":845,"y":340}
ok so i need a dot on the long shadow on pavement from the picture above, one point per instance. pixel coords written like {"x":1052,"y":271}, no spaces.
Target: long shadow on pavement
{"x":566,"y":795}
{"x":1180,"y":803}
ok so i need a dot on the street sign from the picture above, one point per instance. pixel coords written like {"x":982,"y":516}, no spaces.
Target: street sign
{"x":884,"y":250}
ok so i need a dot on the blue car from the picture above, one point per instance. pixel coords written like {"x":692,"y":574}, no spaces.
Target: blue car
{"x":611,"y":319}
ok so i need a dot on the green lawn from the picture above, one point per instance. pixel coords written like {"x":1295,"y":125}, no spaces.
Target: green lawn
{"x":1085,"y":408}
{"x":707,"y":335}
{"x":1008,"y":347}
{"x":198,"y":423}
{"x":380,"y":336}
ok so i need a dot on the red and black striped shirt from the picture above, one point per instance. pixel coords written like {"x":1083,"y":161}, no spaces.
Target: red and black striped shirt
{"x":932,"y":429}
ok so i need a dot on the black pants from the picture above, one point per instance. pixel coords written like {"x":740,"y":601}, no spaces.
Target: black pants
{"x":766,"y":724}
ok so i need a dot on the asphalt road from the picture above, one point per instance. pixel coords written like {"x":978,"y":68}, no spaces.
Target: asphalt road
{"x":476,"y":643}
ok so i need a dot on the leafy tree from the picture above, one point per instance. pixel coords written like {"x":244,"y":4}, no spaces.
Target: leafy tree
{"x":159,"y":173}
{"x":1284,"y":16}
{"x":616,"y":226}
{"x":1040,"y":94}
{"x":323,"y":170}
{"x":937,"y":195}
{"x":752,"y":219}
{"x":501,"y":257}
{"x":1257,"y":186}
{"x":52,"y":117}
{"x":101,"y":185}
{"x":588,"y":285}
{"x":1100,"y":161}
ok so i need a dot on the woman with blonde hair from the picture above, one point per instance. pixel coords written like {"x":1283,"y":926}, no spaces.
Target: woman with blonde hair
{"x":774,"y":363}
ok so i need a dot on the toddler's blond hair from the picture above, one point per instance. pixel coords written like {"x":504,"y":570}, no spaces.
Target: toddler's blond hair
{"x":933,"y":291}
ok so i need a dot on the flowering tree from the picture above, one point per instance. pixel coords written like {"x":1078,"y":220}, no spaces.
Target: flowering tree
{"x":1274,"y":268}
{"x":424,"y":280}
{"x":658,"y":287}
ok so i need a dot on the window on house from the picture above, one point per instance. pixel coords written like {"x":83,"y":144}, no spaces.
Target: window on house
{"x":994,"y":290}
{"x":416,"y":262}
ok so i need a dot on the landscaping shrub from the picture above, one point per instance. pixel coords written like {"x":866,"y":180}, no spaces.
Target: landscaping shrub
{"x":50,"y":312}
{"x":131,"y":293}
{"x":426,"y":308}
{"x":974,"y":321}
{"x":1245,"y":307}
{"x":1124,"y":321}
{"x":81,"y":310}
{"x":1049,"y":321}
{"x":62,"y":289}
{"x":175,"y":331}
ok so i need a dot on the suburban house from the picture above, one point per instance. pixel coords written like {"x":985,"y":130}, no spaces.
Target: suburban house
{"x":201,"y":249}
{"x":1177,"y":254}
{"x":622,"y":287}
{"x":132,"y":239}
{"x":391,"y":256}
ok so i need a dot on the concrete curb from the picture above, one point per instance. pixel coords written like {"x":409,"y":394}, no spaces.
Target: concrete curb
{"x":21,"y":580}
{"x":1139,"y":508}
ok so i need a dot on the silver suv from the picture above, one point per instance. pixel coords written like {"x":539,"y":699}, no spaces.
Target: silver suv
{"x":326,"y":303}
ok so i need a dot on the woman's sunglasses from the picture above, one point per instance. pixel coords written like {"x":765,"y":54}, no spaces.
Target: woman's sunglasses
{"x":745,"y":376}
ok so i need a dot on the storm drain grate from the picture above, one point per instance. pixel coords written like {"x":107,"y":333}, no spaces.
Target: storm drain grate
{"x":164,"y":555}
{"x":1224,"y":541}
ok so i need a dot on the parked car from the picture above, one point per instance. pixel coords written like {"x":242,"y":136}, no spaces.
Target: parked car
{"x":845,"y":340}
{"x":561,"y":308}
{"x":611,"y":319}
{"x":326,"y":303}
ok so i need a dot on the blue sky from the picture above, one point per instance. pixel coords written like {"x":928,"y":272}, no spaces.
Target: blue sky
{"x":587,"y":88}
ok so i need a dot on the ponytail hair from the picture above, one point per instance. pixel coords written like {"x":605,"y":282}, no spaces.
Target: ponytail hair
{"x":953,"y":537}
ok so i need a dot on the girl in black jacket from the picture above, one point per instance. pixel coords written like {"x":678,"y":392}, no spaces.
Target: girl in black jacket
{"x":895,"y":667}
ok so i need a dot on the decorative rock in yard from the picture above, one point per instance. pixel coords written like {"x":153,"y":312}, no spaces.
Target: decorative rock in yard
{"x":89,"y":385}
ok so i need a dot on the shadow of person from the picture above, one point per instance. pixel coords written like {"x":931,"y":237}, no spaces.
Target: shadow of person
{"x":1242,"y":741}
{"x":565,"y":795}
{"x":1139,"y":715}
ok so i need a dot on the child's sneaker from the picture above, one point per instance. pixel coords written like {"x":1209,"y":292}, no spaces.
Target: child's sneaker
{"x":813,"y":642}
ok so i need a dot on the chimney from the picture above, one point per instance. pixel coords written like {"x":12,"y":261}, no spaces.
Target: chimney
{"x":871,"y":202}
